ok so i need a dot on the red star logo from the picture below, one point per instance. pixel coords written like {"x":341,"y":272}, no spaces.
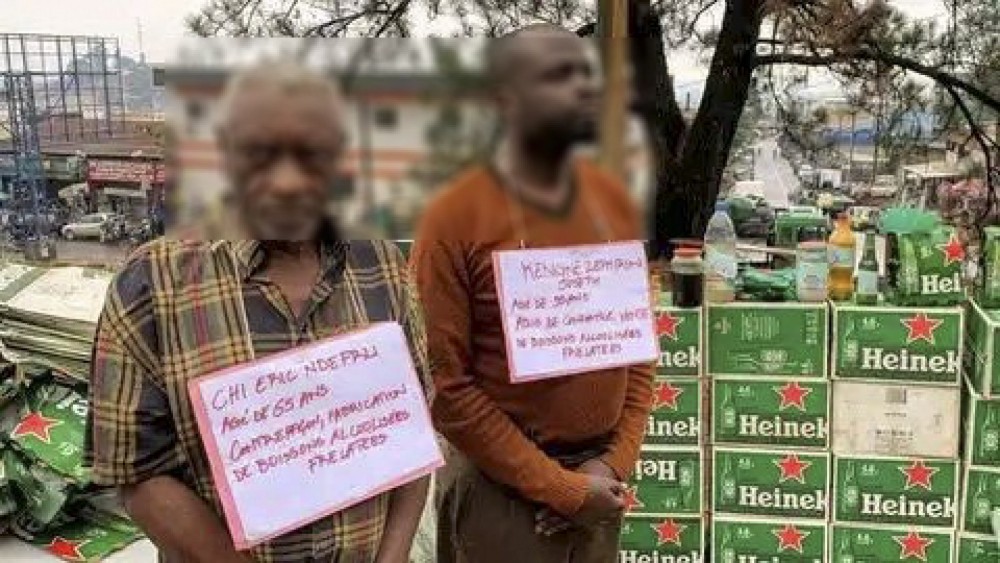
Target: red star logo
{"x":666,"y":325}
{"x":919,"y":475}
{"x":921,"y":327}
{"x":793,"y":395}
{"x":668,"y":531}
{"x":66,"y":549}
{"x":913,"y":545}
{"x":34,"y":424}
{"x":793,"y":468}
{"x":631,"y":500}
{"x":953,"y":250}
{"x":789,"y":537}
{"x":665,"y":395}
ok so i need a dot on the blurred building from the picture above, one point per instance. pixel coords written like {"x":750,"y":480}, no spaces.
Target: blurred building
{"x":403,"y":127}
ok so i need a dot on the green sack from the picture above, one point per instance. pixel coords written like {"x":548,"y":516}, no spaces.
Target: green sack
{"x":925,"y":268}
{"x":41,"y":494}
{"x":766,"y":285}
{"x":8,"y":504}
{"x":51,"y":428}
{"x":90,"y":538}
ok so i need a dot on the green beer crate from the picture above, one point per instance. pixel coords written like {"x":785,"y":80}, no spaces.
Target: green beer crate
{"x":675,"y":419}
{"x":662,"y":539}
{"x":873,"y":543}
{"x":982,"y":358}
{"x":767,"y":339}
{"x":974,"y":548}
{"x":775,"y":412}
{"x":915,"y":345}
{"x":771,"y":483}
{"x":896,"y":491}
{"x":680,"y":335}
{"x":982,"y":428}
{"x":667,"y":481}
{"x":758,"y":540}
{"x":892,"y":419}
{"x":981,"y":501}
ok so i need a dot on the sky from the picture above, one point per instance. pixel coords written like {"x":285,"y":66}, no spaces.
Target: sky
{"x":163,"y":29}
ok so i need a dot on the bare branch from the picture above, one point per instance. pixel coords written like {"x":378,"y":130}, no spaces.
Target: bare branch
{"x":867,"y":54}
{"x":393,"y":18}
{"x":984,"y":145}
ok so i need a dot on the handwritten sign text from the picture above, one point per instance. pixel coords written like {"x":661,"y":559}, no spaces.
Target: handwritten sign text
{"x":308,"y":432}
{"x":576,"y":309}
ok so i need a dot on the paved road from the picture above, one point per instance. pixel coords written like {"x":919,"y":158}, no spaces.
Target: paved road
{"x":87,"y":251}
{"x":775,"y":172}
{"x":90,"y":252}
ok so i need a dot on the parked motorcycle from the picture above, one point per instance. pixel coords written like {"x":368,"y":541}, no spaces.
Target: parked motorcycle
{"x":141,"y":233}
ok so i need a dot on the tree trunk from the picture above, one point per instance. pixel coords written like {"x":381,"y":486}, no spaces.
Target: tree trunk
{"x":686,"y":190}
{"x":657,"y":107}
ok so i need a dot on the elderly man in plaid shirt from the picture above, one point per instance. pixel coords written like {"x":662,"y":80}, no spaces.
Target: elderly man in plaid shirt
{"x":281,"y":277}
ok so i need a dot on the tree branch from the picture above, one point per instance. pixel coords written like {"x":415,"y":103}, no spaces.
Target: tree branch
{"x":981,"y":139}
{"x":868,"y":54}
{"x":393,"y":17}
{"x":344,"y":21}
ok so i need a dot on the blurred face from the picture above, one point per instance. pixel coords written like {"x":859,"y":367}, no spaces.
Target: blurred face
{"x":281,"y":151}
{"x":552,"y":98}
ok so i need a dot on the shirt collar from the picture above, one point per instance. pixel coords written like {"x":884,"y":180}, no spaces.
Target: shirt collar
{"x":251,"y":256}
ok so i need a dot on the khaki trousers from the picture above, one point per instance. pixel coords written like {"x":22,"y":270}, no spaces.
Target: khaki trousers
{"x":480,"y":521}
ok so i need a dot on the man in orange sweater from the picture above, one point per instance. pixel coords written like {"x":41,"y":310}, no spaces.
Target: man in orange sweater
{"x":535,"y":469}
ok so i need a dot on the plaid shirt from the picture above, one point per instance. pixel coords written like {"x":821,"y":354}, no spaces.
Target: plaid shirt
{"x":173,"y":313}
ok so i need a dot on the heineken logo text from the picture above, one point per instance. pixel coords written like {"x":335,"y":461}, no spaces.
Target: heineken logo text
{"x":635,"y":556}
{"x":778,"y":427}
{"x":753,"y":496}
{"x":673,"y":428}
{"x":882,"y":360}
{"x":661,"y":470}
{"x":933,"y":284}
{"x":873,"y":504}
{"x":687,"y":358}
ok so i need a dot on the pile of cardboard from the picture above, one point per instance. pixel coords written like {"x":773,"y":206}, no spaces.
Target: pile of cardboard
{"x":48,"y":316}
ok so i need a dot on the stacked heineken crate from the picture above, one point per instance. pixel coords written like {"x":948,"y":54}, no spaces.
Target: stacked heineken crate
{"x":895,"y":433}
{"x":665,"y":508}
{"x":767,"y":363}
{"x":979,"y":519}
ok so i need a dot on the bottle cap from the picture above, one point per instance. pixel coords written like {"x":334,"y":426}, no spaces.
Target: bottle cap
{"x":687,"y":243}
{"x":722,"y":205}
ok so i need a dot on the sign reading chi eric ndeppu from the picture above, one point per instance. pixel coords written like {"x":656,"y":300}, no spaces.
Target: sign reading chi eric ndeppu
{"x":575,"y":309}
{"x":303,"y":434}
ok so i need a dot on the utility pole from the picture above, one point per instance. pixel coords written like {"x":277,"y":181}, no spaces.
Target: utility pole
{"x":613,"y":33}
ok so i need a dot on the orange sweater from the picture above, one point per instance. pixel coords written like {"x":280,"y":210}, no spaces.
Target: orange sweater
{"x":476,"y":407}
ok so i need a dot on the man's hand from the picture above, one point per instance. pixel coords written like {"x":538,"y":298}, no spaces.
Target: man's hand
{"x":549,"y":522}
{"x":604,"y":502}
{"x":598,"y":468}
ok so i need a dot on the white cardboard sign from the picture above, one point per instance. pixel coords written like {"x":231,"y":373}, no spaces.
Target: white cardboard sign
{"x":305,"y":433}
{"x":576,"y":309}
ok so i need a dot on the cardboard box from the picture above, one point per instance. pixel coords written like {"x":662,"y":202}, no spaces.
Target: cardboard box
{"x":895,"y":420}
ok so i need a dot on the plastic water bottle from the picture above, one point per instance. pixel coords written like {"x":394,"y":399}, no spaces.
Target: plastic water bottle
{"x":720,"y":256}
